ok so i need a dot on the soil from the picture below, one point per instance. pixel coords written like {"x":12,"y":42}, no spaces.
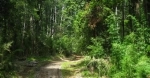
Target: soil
{"x":52,"y":69}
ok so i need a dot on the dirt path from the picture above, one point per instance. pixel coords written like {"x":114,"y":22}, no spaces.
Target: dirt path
{"x":53,"y":70}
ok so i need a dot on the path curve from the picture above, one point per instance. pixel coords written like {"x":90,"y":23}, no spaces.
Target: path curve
{"x":52,"y":70}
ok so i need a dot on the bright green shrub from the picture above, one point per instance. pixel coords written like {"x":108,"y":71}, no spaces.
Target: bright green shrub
{"x":96,"y":49}
{"x":129,"y":60}
{"x":142,"y":67}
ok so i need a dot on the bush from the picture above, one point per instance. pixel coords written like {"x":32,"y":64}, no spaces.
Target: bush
{"x":96,"y":49}
{"x":129,"y":59}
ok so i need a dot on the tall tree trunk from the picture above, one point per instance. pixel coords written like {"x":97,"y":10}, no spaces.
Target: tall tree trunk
{"x":123,"y":15}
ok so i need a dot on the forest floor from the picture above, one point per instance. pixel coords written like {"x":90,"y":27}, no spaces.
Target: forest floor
{"x":58,"y":67}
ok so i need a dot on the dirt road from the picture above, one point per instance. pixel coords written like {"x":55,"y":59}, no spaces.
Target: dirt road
{"x":53,"y":70}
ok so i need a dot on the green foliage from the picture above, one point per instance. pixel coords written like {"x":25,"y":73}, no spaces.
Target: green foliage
{"x":79,"y":32}
{"x":143,"y":67}
{"x":6,"y":47}
{"x":96,"y":48}
{"x":127,"y":58}
{"x":100,"y":66}
{"x":65,"y":44}
{"x":92,"y":67}
{"x":46,"y":40}
{"x":113,"y":22}
{"x":6,"y":63}
{"x":148,"y":49}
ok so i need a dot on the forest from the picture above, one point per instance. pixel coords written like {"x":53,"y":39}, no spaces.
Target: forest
{"x":114,"y":34}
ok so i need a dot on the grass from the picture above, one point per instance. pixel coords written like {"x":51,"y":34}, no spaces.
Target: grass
{"x":81,"y":67}
{"x":67,"y":70}
{"x":70,"y":67}
{"x":75,"y":68}
{"x":85,"y":71}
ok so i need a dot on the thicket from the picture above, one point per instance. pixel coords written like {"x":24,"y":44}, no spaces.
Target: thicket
{"x":117,"y":33}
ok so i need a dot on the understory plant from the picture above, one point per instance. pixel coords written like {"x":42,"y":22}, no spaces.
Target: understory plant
{"x":6,"y":62}
{"x":96,"y":50}
{"x":129,"y":59}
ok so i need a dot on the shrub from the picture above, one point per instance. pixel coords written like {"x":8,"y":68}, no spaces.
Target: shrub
{"x":96,"y":49}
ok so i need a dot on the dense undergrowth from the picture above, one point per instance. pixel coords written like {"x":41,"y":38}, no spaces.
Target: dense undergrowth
{"x":126,"y":60}
{"x":105,"y":68}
